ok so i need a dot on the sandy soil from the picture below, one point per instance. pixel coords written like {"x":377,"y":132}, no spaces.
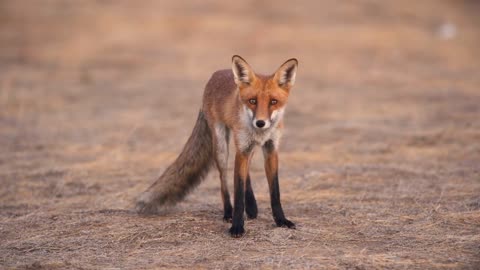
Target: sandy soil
{"x":379,"y":162}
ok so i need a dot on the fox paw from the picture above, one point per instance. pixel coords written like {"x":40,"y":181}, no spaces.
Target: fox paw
{"x":285,"y":223}
{"x":227,"y":219}
{"x":237,"y":231}
{"x":227,"y":214}
{"x":251,"y":210}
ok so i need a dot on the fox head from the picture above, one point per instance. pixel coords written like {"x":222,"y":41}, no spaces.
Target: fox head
{"x":264,"y":97}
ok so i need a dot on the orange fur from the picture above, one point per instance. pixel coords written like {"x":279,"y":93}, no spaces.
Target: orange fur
{"x":250,"y":107}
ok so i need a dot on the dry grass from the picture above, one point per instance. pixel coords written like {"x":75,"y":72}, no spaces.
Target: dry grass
{"x":380,"y":160}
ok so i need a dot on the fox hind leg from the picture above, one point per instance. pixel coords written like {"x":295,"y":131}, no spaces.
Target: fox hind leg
{"x":250,"y":202}
{"x":221,"y":141}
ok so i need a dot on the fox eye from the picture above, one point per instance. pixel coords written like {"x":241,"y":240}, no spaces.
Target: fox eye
{"x":252,"y":101}
{"x":273,"y":102}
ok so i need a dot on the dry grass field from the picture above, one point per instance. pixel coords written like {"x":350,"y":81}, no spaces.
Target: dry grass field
{"x":380,"y":161}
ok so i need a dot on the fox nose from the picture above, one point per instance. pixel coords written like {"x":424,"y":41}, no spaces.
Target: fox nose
{"x":260,"y":123}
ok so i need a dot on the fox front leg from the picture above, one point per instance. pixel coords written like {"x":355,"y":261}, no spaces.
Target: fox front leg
{"x":271,"y":170}
{"x":242,"y":161}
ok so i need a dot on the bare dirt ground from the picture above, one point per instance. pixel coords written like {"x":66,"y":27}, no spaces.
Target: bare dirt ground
{"x":379,"y":162}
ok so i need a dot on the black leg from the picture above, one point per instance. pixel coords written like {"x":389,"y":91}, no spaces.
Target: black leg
{"x":227,"y":208}
{"x":271,"y":169}
{"x":277,"y":210}
{"x":250,"y":202}
{"x":237,"y":228}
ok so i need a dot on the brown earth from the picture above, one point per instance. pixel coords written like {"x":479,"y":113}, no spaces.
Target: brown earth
{"x":379,"y":162}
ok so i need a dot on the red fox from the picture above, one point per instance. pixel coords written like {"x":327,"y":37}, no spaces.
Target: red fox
{"x":249,"y":107}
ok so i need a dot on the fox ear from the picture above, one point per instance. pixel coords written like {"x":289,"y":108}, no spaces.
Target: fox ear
{"x":242,"y":72}
{"x":285,"y":75}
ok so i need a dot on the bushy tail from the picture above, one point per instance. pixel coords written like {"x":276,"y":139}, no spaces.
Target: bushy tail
{"x":186,"y":172}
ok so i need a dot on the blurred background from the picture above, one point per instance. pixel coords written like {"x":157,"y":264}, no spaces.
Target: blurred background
{"x":124,"y":63}
{"x":382,"y":140}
